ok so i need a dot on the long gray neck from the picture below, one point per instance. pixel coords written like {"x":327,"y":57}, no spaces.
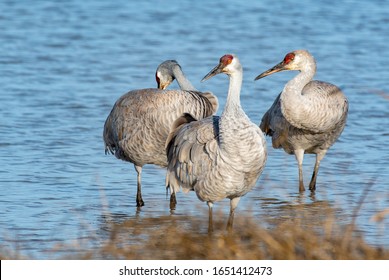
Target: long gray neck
{"x":233,"y":106}
{"x":182,"y":81}
{"x":233,"y":123}
{"x":295,"y":106}
{"x":297,"y":84}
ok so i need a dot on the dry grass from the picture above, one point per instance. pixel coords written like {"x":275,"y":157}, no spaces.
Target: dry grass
{"x":304,"y":232}
{"x":180,"y":238}
{"x":186,"y":239}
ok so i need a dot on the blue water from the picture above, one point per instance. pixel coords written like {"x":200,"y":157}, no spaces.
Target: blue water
{"x":63,"y":64}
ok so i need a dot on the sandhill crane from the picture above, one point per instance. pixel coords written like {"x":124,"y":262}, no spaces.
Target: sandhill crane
{"x":307,"y":116}
{"x":217,"y":157}
{"x":140,"y":121}
{"x":169,"y":70}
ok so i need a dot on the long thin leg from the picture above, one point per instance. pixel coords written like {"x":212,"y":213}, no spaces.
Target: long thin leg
{"x":319,"y":157}
{"x":139,"y":200}
{"x":300,"y":157}
{"x":173,"y":201}
{"x":210,"y":222}
{"x":233,"y":204}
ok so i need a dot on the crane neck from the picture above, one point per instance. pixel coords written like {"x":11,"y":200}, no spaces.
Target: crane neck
{"x":297,"y":84}
{"x":233,"y":98}
{"x":298,"y":108}
{"x":233,"y":122}
{"x":182,"y":81}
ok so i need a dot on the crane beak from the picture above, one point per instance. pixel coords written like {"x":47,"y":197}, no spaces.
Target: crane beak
{"x":163,"y":86}
{"x":217,"y":70}
{"x":279,"y":67}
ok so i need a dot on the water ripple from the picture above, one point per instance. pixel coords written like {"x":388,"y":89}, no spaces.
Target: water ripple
{"x":63,"y":65}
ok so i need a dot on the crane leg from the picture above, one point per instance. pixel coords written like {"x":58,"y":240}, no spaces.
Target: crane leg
{"x":233,"y":204}
{"x":300,"y":157}
{"x":173,"y":201}
{"x":139,"y":200}
{"x":312,"y":184}
{"x":210,"y":222}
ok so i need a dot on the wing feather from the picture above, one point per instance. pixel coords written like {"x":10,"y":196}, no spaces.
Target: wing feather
{"x":274,"y":124}
{"x":139,"y":122}
{"x":191,"y":150}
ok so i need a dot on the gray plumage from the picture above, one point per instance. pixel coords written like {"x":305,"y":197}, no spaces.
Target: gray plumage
{"x":140,"y":121}
{"x":170,"y":70}
{"x":217,"y":157}
{"x":307,"y":116}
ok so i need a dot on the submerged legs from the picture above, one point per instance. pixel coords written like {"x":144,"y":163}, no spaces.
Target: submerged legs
{"x":139,"y":200}
{"x":233,"y":204}
{"x":210,"y":222}
{"x":319,"y":157}
{"x":173,"y":201}
{"x":299,"y":157}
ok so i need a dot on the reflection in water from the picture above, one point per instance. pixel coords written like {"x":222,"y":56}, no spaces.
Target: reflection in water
{"x":306,"y":210}
{"x":290,"y":231}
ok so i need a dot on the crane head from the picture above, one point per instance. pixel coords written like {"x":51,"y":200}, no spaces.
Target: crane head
{"x":223,"y":66}
{"x":296,"y":60}
{"x":164,"y":75}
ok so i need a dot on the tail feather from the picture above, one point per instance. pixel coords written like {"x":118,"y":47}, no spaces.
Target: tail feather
{"x":172,"y":182}
{"x":176,"y":126}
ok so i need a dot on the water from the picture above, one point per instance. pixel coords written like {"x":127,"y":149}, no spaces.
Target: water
{"x":64,"y":63}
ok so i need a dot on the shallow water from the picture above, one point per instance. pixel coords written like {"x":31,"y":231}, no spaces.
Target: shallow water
{"x":64,"y":64}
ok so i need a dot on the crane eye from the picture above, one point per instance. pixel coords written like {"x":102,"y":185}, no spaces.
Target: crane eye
{"x":289,"y":58}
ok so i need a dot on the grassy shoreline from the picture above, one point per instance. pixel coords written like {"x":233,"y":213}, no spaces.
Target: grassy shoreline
{"x":186,"y":238}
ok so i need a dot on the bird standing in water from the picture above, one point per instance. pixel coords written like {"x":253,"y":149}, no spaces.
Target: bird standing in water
{"x":140,"y":121}
{"x":307,"y":116}
{"x":217,"y":157}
